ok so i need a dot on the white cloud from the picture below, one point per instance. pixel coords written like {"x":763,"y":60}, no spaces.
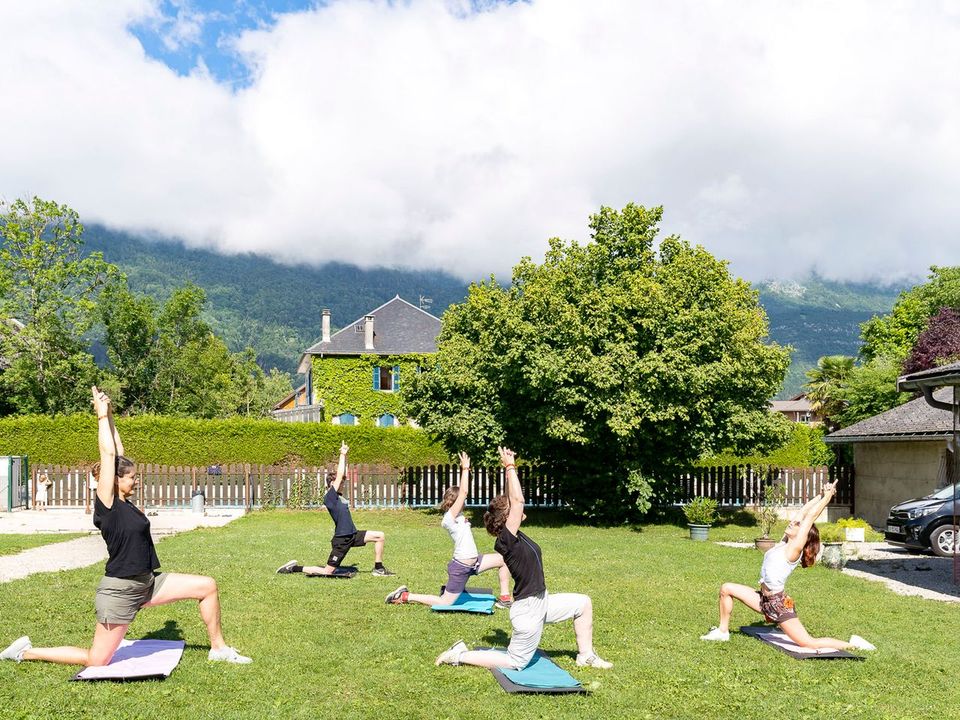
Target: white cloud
{"x":781,"y":135}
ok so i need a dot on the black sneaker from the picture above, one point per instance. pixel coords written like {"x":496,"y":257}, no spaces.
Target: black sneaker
{"x":382,"y":572}
{"x":396,"y":597}
{"x":288,"y":567}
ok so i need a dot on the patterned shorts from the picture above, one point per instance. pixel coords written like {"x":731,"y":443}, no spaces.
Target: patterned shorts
{"x":777,"y":607}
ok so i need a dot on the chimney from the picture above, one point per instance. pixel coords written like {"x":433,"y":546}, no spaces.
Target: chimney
{"x":368,"y":332}
{"x":325,"y":324}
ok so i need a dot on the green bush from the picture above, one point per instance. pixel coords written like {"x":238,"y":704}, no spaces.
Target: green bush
{"x":852,"y":522}
{"x":701,"y":511}
{"x":72,"y":440}
{"x":805,"y":448}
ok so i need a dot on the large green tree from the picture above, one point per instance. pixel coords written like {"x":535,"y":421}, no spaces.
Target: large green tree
{"x":825,"y":386}
{"x":48,"y":301}
{"x":613,"y":363}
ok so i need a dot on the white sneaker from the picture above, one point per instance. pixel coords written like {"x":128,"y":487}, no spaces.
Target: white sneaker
{"x":716,"y":634}
{"x":287,"y":567}
{"x":861,"y":644}
{"x":228,"y":654}
{"x":593,"y":660}
{"x":452,"y":656}
{"x":16,"y":649}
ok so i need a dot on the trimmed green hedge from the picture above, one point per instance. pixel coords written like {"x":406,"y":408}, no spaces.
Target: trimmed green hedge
{"x":805,"y":448}
{"x":185,"y":441}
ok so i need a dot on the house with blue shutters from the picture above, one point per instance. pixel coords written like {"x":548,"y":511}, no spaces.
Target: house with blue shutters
{"x":354,"y":376}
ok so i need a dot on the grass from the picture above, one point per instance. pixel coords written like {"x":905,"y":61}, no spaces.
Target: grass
{"x":12,"y":544}
{"x":325,"y":648}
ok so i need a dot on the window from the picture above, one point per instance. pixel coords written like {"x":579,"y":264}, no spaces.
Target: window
{"x":386,"y":420}
{"x":386,"y":378}
{"x":345,"y":419}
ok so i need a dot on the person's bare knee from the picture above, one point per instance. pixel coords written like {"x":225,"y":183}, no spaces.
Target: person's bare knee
{"x":98,"y":658}
{"x":209,"y":587}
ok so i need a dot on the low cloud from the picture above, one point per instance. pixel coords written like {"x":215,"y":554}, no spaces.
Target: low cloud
{"x":784,"y":136}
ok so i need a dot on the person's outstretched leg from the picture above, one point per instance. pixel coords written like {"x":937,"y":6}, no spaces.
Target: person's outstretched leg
{"x":178,"y":586}
{"x":106,"y":639}
{"x":402,"y":596}
{"x":317,"y":570}
{"x":795,"y":630}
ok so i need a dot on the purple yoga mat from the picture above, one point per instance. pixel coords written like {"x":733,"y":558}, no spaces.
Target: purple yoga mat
{"x":138,"y":660}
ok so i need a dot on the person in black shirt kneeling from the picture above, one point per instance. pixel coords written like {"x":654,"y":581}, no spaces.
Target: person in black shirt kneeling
{"x":130,"y":581}
{"x":533,"y":607}
{"x":345,"y":533}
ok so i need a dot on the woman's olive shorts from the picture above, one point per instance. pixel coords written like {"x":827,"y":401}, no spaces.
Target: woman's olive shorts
{"x":118,"y":599}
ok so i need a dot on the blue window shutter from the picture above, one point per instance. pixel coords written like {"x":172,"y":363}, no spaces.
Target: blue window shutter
{"x":396,"y":378}
{"x":376,"y":378}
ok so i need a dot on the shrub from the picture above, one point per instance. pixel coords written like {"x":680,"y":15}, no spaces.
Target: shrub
{"x":851,"y":522}
{"x":701,"y":511}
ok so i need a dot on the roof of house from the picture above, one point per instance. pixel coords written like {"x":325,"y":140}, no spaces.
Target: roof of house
{"x":290,"y":397}
{"x":914,"y":420}
{"x":399,"y":328}
{"x":800,"y":404}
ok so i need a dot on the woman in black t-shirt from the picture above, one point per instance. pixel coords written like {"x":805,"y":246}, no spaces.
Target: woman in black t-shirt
{"x":533,"y":606}
{"x":130,"y":581}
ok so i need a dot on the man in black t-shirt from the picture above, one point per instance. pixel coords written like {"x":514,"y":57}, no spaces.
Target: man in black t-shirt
{"x":345,"y":533}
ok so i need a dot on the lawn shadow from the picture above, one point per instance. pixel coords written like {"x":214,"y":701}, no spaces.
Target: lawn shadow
{"x":170,"y":631}
{"x":497,"y":638}
{"x":736,"y":517}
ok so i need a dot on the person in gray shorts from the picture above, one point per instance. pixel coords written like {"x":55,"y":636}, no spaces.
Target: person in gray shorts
{"x":131,"y":580}
{"x":467,"y":560}
{"x":533,"y":607}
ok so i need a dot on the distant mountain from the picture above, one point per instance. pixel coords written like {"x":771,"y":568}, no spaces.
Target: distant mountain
{"x":275,"y":308}
{"x":820,"y":317}
{"x":257,"y":302}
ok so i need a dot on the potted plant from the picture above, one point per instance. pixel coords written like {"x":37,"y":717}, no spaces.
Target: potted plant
{"x":768,"y":513}
{"x":700,"y":513}
{"x":854,"y":528}
{"x":831,"y":537}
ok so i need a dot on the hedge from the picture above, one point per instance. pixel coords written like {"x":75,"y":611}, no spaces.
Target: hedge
{"x":72,"y":439}
{"x":804,"y":448}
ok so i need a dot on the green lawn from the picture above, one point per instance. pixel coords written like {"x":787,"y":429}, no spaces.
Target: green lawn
{"x":12,"y":544}
{"x":331,"y":648}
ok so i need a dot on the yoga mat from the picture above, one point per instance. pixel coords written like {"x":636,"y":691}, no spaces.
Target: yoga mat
{"x":784,"y":644}
{"x":469,"y":603}
{"x":542,"y":675}
{"x":338,"y":574}
{"x":138,"y":660}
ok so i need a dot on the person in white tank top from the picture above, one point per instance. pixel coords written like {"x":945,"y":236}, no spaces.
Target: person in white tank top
{"x":800,"y":546}
{"x":467,"y":561}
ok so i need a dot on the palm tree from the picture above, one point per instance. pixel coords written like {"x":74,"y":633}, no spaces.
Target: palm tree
{"x":826,"y":385}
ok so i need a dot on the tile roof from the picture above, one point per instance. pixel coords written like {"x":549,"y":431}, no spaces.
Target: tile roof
{"x":948,"y":374}
{"x":914,"y":420}
{"x":399,"y":328}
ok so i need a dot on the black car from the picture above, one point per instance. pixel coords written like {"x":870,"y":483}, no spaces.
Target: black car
{"x":923,"y":523}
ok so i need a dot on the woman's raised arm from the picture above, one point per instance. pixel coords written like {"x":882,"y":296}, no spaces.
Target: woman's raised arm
{"x":106,"y":439}
{"x":514,"y":491}
{"x":461,"y":500}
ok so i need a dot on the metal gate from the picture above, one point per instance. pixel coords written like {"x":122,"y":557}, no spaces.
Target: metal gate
{"x":14,"y":482}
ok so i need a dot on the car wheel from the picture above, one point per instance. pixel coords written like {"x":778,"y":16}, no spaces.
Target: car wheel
{"x":942,"y":540}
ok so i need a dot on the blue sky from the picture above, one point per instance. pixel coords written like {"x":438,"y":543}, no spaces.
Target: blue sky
{"x":782,"y":135}
{"x":188,"y":32}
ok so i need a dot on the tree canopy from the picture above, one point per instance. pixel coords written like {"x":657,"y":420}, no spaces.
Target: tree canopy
{"x":613,"y":363}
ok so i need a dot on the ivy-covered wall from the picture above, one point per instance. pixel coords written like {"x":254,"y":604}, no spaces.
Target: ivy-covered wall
{"x":345,"y":384}
{"x":184,"y":441}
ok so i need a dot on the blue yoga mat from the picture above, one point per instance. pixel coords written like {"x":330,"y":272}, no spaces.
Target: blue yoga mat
{"x":542,"y":672}
{"x":466,"y":602}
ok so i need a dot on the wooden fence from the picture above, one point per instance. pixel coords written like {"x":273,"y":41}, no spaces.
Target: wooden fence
{"x":383,"y":486}
{"x":739,"y":485}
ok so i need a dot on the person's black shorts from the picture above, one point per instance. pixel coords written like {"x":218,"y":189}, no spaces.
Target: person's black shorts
{"x":341,"y":544}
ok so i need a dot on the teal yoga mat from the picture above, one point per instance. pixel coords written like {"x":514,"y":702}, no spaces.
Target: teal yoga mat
{"x":542,"y":674}
{"x":470,"y":604}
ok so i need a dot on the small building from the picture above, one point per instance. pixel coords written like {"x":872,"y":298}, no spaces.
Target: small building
{"x":353,"y":376}
{"x":797,"y":409}
{"x":899,"y":454}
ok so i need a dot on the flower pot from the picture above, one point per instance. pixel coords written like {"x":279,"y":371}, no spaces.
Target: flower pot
{"x":833,"y":556}
{"x":764,"y":544}
{"x":698,"y":532}
{"x":854,"y":534}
